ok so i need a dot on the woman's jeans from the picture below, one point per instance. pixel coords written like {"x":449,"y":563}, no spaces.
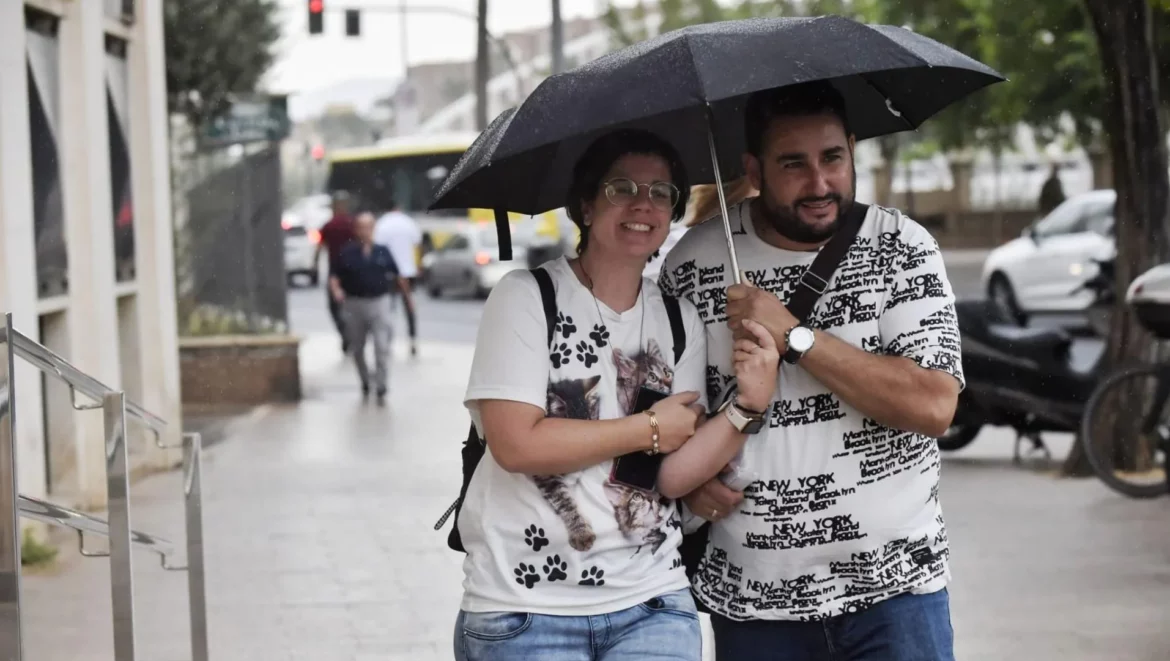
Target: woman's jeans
{"x":665,"y":627}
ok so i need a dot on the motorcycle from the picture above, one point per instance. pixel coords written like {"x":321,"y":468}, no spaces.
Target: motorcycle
{"x":1033,"y":380}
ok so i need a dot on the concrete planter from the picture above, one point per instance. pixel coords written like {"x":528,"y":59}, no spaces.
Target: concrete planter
{"x":240,"y":369}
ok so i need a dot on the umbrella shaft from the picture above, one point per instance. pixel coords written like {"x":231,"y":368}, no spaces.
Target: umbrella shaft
{"x":722,"y":199}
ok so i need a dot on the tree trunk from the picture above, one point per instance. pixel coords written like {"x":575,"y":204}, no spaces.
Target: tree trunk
{"x":1138,"y":149}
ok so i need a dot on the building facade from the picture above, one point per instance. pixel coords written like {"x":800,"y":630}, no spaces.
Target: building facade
{"x":86,"y":254}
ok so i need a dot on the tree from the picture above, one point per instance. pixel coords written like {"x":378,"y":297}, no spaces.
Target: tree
{"x":1133,"y":104}
{"x":214,"y":49}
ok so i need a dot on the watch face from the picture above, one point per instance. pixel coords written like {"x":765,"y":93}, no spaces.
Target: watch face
{"x":800,"y":339}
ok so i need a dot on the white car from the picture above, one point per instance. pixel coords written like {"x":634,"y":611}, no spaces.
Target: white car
{"x":300,"y":249}
{"x":1042,"y":270}
{"x":468,"y":263}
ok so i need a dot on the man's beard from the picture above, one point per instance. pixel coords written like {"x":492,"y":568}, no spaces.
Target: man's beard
{"x":785,"y":220}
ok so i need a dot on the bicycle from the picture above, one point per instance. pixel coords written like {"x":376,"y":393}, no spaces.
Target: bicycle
{"x":1139,"y":467}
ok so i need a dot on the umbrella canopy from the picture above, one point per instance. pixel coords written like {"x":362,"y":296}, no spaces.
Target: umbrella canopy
{"x":682,"y":83}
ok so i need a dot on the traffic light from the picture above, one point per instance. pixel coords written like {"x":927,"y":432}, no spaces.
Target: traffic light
{"x":353,"y":23}
{"x":316,"y":16}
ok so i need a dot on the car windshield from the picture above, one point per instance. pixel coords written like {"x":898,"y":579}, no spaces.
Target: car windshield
{"x":1062,"y":220}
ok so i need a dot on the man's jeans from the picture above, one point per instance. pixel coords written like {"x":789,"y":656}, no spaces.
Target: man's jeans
{"x":665,"y":627}
{"x":908,"y":627}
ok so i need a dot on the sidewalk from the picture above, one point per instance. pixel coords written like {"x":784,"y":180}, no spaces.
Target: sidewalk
{"x":320,"y":543}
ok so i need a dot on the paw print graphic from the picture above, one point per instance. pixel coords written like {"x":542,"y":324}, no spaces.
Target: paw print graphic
{"x":554,"y":568}
{"x":600,"y":335}
{"x":565,"y":325}
{"x":585,"y":353}
{"x":535,"y":538}
{"x":592,"y":576}
{"x":560,"y":355}
{"x":526,"y":575}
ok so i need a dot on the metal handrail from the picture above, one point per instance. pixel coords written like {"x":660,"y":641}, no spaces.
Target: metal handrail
{"x":45,"y":360}
{"x":44,"y":511}
{"x":116,"y":409}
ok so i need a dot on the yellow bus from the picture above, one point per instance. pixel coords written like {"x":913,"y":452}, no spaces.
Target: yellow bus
{"x":409,"y":169}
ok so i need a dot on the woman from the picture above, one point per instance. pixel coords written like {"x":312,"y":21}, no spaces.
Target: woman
{"x":562,"y":561}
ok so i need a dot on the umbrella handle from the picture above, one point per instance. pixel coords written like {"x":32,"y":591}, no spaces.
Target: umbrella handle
{"x":722,"y":199}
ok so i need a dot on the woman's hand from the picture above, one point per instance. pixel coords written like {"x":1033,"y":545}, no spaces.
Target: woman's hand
{"x":756,"y":366}
{"x":678,"y":415}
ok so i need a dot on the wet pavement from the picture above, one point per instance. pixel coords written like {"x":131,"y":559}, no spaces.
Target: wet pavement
{"x":320,"y":542}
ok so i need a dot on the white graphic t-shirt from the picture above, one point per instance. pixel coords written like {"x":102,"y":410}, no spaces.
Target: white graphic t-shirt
{"x":574,"y":544}
{"x":844,"y":511}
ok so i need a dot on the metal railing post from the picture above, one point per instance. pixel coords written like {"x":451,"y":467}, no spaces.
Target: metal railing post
{"x":118,"y":497}
{"x":193,"y":501}
{"x":11,"y":643}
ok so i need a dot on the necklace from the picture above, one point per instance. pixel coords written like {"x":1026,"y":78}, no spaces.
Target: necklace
{"x":602,"y":329}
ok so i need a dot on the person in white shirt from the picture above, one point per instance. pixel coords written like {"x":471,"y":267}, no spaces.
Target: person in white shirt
{"x":569,"y":557}
{"x":837,"y":549}
{"x":398,"y":232}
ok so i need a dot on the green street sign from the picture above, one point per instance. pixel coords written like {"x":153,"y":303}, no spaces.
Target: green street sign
{"x":259,"y":118}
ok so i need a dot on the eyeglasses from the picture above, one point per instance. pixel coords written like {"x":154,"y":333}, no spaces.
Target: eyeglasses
{"x":622,"y":192}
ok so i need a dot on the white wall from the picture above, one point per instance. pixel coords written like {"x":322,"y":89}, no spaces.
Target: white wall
{"x":121,"y":331}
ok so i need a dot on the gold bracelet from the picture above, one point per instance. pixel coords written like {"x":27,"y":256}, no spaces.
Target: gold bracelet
{"x":653,"y":433}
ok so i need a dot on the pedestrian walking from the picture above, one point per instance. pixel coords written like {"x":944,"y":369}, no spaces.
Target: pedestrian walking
{"x":398,"y":232}
{"x":363,"y":277}
{"x":335,"y":235}
{"x":840,"y":551}
{"x":568,"y":522}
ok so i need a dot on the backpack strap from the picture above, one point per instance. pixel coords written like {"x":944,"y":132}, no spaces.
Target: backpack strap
{"x":474,"y":446}
{"x":548,"y":298}
{"x":678,"y":332}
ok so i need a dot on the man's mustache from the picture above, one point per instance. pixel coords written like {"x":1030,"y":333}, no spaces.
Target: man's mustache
{"x":832,"y":197}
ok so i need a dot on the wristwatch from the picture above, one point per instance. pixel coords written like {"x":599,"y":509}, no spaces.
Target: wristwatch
{"x":799,"y":340}
{"x":744,"y":420}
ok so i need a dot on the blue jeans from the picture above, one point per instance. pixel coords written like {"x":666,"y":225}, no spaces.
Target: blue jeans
{"x":662,"y":628}
{"x":908,"y":627}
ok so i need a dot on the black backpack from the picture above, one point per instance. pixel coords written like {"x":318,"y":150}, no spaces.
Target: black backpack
{"x":473,"y":447}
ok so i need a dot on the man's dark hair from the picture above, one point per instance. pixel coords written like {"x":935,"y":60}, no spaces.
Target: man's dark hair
{"x":600,"y":157}
{"x":800,"y":100}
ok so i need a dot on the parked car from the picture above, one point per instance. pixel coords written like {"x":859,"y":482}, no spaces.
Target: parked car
{"x":468,"y":263}
{"x":300,"y":249}
{"x":1042,"y":270}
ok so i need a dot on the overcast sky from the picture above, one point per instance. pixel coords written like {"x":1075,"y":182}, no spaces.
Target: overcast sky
{"x":309,"y":62}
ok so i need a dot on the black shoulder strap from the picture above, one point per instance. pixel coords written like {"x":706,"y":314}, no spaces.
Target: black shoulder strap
{"x":677,"y":331}
{"x":815,"y":280}
{"x":548,"y":297}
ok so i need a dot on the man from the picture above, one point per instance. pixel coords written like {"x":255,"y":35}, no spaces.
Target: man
{"x":361,"y":280}
{"x":1052,"y":192}
{"x":838,"y":549}
{"x":335,"y":235}
{"x":398,"y":232}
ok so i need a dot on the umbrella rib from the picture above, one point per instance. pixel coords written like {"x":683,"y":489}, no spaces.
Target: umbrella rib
{"x":889,"y":104}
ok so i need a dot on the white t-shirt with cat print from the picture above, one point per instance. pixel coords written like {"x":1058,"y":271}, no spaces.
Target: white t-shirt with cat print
{"x":574,"y":544}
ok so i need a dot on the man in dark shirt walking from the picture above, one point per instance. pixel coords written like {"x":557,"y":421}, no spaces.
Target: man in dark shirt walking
{"x":361,"y":280}
{"x":335,"y":235}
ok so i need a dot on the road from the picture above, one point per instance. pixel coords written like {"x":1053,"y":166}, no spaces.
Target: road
{"x":451,"y":320}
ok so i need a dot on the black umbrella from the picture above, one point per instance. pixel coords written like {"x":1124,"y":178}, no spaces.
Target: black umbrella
{"x":690,"y":86}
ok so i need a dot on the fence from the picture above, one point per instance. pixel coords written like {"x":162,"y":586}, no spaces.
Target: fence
{"x":233,"y":248}
{"x":116,"y":409}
